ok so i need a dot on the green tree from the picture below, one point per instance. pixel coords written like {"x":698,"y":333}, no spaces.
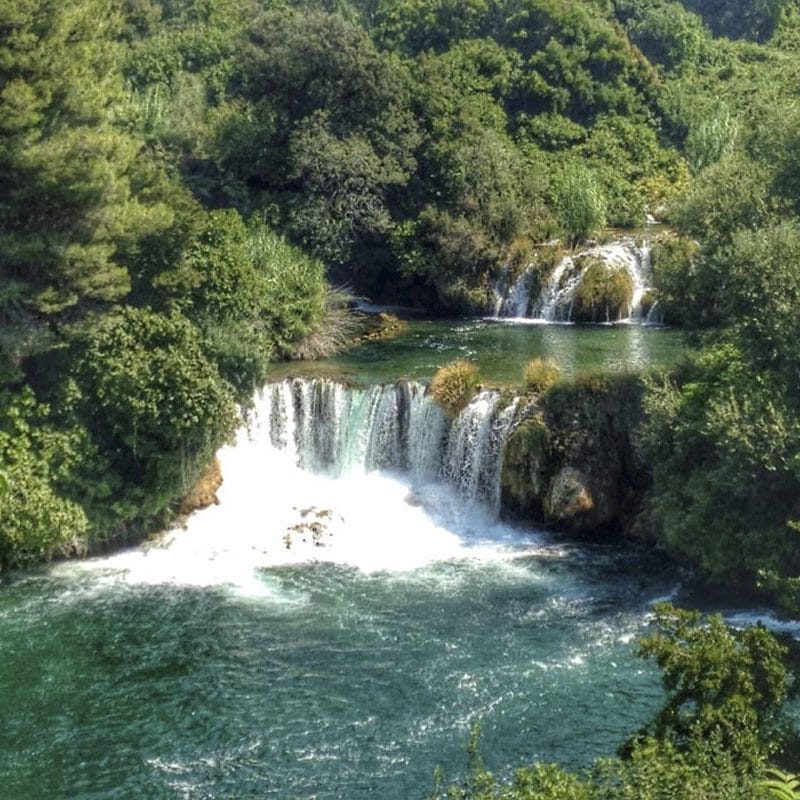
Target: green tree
{"x":157,"y":401}
{"x":68,"y":215}
{"x":725,"y":684}
{"x":37,"y":517}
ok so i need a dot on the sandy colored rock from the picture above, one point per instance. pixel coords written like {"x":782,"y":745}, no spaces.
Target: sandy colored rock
{"x":204,"y":492}
{"x":569,"y":497}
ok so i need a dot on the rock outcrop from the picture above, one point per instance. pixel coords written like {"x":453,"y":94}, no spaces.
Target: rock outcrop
{"x":573,"y":461}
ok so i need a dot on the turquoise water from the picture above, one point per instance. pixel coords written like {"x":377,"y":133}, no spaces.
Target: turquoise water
{"x":333,"y":684}
{"x":500,"y":347}
{"x":245,"y":658}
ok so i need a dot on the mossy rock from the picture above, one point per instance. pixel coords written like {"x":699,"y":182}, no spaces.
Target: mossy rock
{"x":649,"y":299}
{"x":454,"y":385}
{"x":604,"y":294}
{"x":525,"y":467}
{"x":570,"y":498}
{"x":204,"y":491}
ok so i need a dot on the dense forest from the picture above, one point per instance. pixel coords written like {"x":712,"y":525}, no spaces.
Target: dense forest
{"x":186,"y":185}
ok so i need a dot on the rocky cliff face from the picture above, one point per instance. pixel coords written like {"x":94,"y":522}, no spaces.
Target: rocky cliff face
{"x":574,"y":462}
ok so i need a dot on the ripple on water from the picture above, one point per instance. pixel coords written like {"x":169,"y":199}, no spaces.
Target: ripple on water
{"x":219,"y":665}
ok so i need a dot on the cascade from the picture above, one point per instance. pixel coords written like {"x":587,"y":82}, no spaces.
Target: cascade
{"x":512,"y":298}
{"x":556,"y":298}
{"x":327,"y":426}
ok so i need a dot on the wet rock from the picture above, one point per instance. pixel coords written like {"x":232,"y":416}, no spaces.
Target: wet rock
{"x":204,"y":491}
{"x":569,"y":497}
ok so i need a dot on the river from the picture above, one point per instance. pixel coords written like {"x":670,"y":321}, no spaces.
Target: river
{"x":334,"y":627}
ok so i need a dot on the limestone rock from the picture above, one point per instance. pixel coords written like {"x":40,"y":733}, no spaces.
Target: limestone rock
{"x":204,"y":492}
{"x":570,"y":496}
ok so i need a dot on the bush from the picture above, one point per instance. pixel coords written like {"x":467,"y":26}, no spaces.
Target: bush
{"x":157,"y":400}
{"x":295,"y":295}
{"x":539,"y":374}
{"x":454,"y":385}
{"x":673,"y":270}
{"x":579,"y":202}
{"x":36,"y":459}
{"x":604,"y":294}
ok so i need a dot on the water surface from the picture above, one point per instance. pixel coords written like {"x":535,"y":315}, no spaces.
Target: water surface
{"x":500,"y":348}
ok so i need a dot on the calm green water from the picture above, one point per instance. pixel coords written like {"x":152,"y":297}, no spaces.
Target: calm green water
{"x":500,"y":348}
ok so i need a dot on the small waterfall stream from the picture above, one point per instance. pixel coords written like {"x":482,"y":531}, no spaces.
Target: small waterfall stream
{"x":555,"y":300}
{"x":327,"y":426}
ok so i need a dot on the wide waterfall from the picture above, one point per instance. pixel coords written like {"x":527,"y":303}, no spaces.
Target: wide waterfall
{"x":556,"y":296}
{"x":333,"y":627}
{"x":327,"y":426}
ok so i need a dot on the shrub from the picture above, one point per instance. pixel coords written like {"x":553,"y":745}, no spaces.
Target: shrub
{"x":157,"y":399}
{"x":539,"y":374}
{"x":36,"y":461}
{"x":604,"y":294}
{"x":579,"y":202}
{"x":454,"y":385}
{"x":673,"y":267}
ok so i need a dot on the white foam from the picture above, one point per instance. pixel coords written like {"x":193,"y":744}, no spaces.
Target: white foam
{"x":272,"y":513}
{"x":743,"y":619}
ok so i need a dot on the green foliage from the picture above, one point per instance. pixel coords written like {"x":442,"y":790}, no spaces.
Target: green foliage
{"x":725,"y":441}
{"x":295,"y":289}
{"x":725,"y":685}
{"x":161,"y":401}
{"x":603,"y":295}
{"x":341,"y":183}
{"x":418,"y":25}
{"x":762,"y":293}
{"x":35,"y":517}
{"x":68,"y":213}
{"x":666,"y":32}
{"x":658,"y":770}
{"x":711,"y":138}
{"x":781,"y":785}
{"x":673,"y":262}
{"x":705,"y":743}
{"x":579,"y":202}
{"x":751,"y":20}
{"x":539,"y":374}
{"x":215,"y":278}
{"x":454,"y":385}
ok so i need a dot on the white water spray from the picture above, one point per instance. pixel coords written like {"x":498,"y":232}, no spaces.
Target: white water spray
{"x":376,"y":478}
{"x":556,"y":298}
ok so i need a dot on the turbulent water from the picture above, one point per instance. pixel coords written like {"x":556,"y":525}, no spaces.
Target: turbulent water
{"x":331,"y":629}
{"x":328,"y":427}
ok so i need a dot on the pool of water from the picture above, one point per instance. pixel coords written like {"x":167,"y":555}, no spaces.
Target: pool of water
{"x":334,"y":636}
{"x":500,"y":348}
{"x":329,"y":682}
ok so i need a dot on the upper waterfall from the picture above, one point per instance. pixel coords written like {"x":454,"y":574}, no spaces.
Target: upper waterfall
{"x":603,"y":283}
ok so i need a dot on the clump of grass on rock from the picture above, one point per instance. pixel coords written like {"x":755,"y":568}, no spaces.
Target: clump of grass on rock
{"x":539,"y":375}
{"x":454,"y":385}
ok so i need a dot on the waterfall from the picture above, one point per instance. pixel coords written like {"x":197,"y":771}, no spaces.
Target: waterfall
{"x":473,"y":457}
{"x":327,"y":426}
{"x":555,"y":301}
{"x":556,"y":298}
{"x":641,"y":272}
{"x":512,"y":298}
